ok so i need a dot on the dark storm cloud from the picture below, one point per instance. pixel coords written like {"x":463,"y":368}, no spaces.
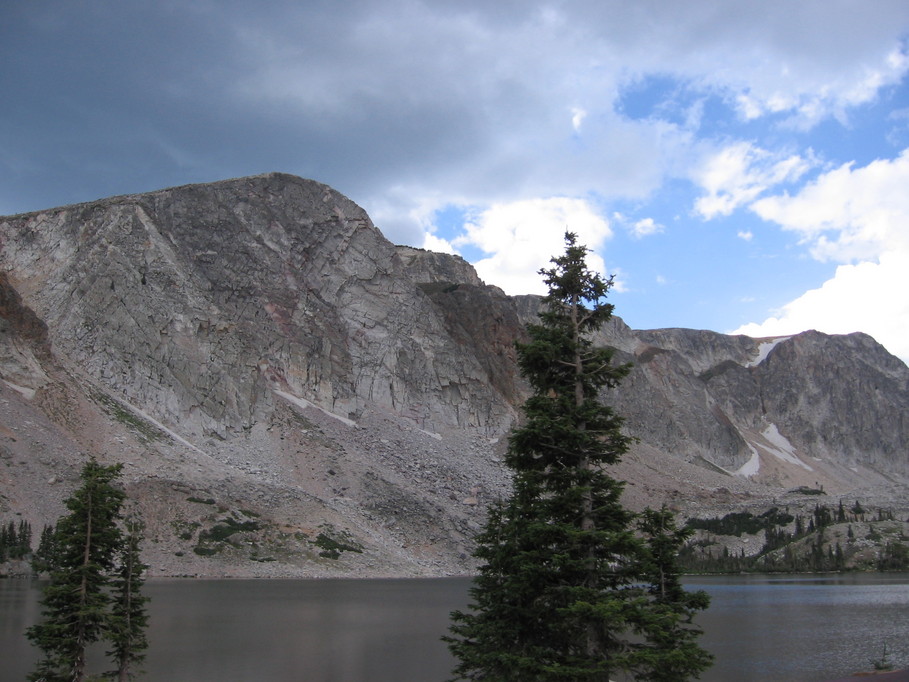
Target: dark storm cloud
{"x":609,"y":111}
{"x":394,"y":103}
{"x":103,"y":98}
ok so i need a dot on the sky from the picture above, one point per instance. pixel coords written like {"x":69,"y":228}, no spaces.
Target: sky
{"x":737,"y":166}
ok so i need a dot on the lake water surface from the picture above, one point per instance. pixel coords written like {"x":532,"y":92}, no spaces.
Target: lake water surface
{"x":780,"y":628}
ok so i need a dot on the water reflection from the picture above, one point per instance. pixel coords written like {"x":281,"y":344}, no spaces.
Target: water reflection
{"x":803,"y":628}
{"x":276,"y":630}
{"x":792,"y":628}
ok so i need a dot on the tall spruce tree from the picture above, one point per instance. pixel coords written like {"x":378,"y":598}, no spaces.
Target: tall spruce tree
{"x":7,"y":540}
{"x":558,"y":596}
{"x":128,"y":618}
{"x":76,"y":601}
{"x":45,"y":556}
{"x":670,"y":651}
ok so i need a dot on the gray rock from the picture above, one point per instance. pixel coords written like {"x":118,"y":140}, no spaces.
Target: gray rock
{"x":257,"y":344}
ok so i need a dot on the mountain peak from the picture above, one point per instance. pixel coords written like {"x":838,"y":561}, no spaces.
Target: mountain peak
{"x":258,"y":342}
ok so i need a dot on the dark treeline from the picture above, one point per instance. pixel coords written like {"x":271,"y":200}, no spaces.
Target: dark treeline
{"x":796,"y":543}
{"x":16,"y":544}
{"x":15,"y":540}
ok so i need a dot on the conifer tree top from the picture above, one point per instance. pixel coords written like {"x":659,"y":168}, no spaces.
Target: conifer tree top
{"x":571,"y":283}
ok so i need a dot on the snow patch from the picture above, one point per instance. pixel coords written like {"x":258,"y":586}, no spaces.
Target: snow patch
{"x":29,"y":393}
{"x":751,"y":467}
{"x":781,"y":447}
{"x":304,"y":403}
{"x":764,"y":350}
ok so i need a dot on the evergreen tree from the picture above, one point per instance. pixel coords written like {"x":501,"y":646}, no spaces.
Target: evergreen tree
{"x":128,"y":620}
{"x":15,"y":540}
{"x":671,"y":652}
{"x":24,"y":544}
{"x":5,"y":542}
{"x":45,"y":557}
{"x":841,"y":513}
{"x":76,"y":601}
{"x":556,"y":597}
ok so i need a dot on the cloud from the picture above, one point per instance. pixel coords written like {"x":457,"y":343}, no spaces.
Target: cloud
{"x":522,"y":236}
{"x":848,"y":213}
{"x":486,"y":102}
{"x":858,"y":217}
{"x":740,"y":172}
{"x":433,"y":243}
{"x":638,"y":229}
{"x":864,"y":297}
{"x":830,"y":96}
{"x":645,"y":228}
{"x":518,"y":100}
{"x":798,"y":63}
{"x":409,"y":106}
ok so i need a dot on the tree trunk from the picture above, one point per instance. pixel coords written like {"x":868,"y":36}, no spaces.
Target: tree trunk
{"x":593,"y":647}
{"x":123,"y":670}
{"x":79,"y":663}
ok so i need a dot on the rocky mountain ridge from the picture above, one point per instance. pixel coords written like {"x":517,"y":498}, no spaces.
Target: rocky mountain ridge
{"x":292,"y":394}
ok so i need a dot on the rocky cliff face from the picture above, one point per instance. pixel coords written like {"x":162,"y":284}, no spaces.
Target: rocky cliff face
{"x":812,"y":409}
{"x":264,"y":360}
{"x":202,"y":302}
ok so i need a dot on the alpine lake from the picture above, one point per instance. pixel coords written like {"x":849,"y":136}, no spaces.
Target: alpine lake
{"x":794,"y":628}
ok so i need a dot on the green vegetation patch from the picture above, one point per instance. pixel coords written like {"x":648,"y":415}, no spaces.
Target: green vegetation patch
{"x":212,"y":540}
{"x":207,"y":551}
{"x":184,"y":529}
{"x":431,"y":288}
{"x":332,"y":547}
{"x":893,"y":557}
{"x":145,"y":430}
{"x":805,"y":490}
{"x":827,"y":540}
{"x":227,"y":527}
{"x":739,"y":523}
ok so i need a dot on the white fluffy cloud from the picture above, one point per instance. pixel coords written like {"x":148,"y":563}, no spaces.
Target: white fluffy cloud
{"x":831,"y":94}
{"x":737,"y":174}
{"x":866,"y":297}
{"x":646,"y":227}
{"x":433,"y":243}
{"x":858,"y":217}
{"x":638,"y":229}
{"x":848,"y":213}
{"x":508,"y":101}
{"x":522,"y":236}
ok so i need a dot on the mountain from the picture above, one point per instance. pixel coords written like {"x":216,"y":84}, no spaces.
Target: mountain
{"x":292,"y":394}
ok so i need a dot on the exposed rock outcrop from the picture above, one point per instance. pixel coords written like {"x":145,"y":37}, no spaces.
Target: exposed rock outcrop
{"x":266,"y":362}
